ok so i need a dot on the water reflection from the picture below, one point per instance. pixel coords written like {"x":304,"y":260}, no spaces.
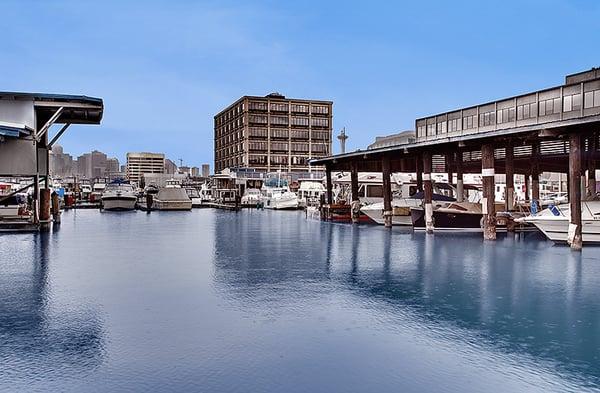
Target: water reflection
{"x":36,"y":337}
{"x":518,"y":295}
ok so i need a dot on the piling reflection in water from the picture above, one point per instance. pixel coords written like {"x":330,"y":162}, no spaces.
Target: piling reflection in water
{"x":518,"y":295}
{"x":37,"y":339}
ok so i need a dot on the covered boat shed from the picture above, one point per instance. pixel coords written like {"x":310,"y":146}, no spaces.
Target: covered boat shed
{"x":554,"y":130}
{"x":25,"y":143}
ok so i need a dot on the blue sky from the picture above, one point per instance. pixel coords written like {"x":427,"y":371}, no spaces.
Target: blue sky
{"x":164,"y":68}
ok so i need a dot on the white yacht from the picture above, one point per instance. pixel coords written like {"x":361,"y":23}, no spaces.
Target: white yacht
{"x":172,"y":198}
{"x":194,"y":196}
{"x":205,"y":193}
{"x":118,"y":196}
{"x":251,"y":197}
{"x":277,"y":195}
{"x":554,"y":222}
{"x":310,"y":191}
{"x":400,"y":211}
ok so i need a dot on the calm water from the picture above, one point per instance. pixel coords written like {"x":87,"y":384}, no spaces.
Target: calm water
{"x":270,"y":302}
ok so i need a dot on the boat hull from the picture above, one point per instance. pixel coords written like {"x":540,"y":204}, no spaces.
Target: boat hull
{"x":446,"y":221}
{"x":118,"y":203}
{"x":377,"y":216}
{"x":172,"y":205}
{"x":557,"y":229}
{"x":277,"y":204}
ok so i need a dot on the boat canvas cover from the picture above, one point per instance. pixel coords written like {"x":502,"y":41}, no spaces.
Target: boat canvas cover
{"x":172,"y":194}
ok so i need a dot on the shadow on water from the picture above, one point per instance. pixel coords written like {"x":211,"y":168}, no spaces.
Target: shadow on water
{"x":518,"y":295}
{"x":49,"y":339}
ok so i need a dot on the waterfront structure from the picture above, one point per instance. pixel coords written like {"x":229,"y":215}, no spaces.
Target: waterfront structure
{"x":553,"y":130}
{"x":400,"y":138}
{"x":25,"y":145}
{"x":272,"y":132}
{"x":141,"y":163}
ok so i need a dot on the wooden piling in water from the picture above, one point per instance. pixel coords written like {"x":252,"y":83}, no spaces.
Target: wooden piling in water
{"x":44,"y":209}
{"x":427,"y":192}
{"x":591,"y":165}
{"x":488,"y":205}
{"x":387,"y":192}
{"x":460,"y":188}
{"x":419,"y":170}
{"x":355,"y":204}
{"x":574,"y":237}
{"x":329,"y":185}
{"x":509,"y":171}
{"x":55,"y":208}
{"x":535,"y":173}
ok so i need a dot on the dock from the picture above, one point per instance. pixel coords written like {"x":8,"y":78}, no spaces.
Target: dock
{"x":554,"y":130}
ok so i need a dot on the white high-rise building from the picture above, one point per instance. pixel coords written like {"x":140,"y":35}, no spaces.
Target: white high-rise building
{"x":138,"y":163}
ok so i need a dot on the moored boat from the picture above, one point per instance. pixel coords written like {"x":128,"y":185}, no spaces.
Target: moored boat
{"x":118,"y":195}
{"x":554,"y":222}
{"x":172,"y":198}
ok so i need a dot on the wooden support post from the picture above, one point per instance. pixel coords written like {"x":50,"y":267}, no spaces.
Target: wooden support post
{"x":591,"y":165}
{"x":535,"y":172}
{"x":419,"y":170}
{"x":387,"y":192}
{"x":527,"y":186}
{"x":448,"y":164}
{"x":355,"y":204}
{"x":35,"y":199}
{"x":509,"y":171}
{"x":329,"y":185}
{"x":574,"y":237}
{"x":488,"y":205}
{"x":427,"y":192}
{"x":460,"y":188}
{"x":45,"y":209}
{"x":55,"y":208}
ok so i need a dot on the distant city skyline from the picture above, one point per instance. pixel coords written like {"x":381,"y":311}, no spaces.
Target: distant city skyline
{"x":162,"y":86}
{"x":96,"y":163}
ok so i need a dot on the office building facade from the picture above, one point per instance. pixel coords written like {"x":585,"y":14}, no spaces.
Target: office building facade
{"x":139,"y":163}
{"x":272,"y":132}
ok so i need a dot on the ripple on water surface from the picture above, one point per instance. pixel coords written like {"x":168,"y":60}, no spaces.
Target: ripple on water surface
{"x":268,"y":301}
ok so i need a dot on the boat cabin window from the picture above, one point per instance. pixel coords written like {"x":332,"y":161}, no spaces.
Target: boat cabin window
{"x":374,"y":191}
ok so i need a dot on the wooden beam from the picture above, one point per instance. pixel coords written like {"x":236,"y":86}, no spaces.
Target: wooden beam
{"x":387,"y":192}
{"x":419,"y":171}
{"x":427,"y":191}
{"x":355,"y":204}
{"x":329,"y":185}
{"x":488,"y":205}
{"x":509,"y":171}
{"x":574,"y":237}
{"x":535,"y":172}
{"x":460,"y":190}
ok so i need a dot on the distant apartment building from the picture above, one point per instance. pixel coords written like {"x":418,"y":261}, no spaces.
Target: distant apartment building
{"x":195,"y":171}
{"x":139,"y":163}
{"x":205,"y":170}
{"x":61,"y":164}
{"x":272,"y":132}
{"x":170,"y":167}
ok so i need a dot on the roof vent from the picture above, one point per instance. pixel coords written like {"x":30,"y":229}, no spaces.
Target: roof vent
{"x":275,"y":95}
